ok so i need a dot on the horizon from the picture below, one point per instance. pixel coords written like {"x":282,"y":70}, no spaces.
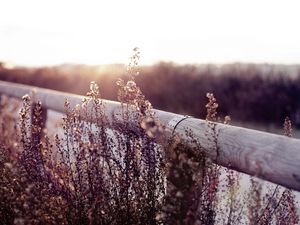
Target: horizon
{"x":9,"y":65}
{"x":37,"y":34}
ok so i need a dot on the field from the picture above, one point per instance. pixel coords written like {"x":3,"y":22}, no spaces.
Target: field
{"x":125,"y":172}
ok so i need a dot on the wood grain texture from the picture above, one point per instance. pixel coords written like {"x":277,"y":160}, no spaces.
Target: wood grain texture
{"x":268,"y":156}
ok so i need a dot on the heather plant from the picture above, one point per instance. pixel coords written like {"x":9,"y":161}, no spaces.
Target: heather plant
{"x":7,"y":151}
{"x":114,"y":171}
{"x":26,"y":197}
{"x":278,"y":205}
{"x":104,"y":173}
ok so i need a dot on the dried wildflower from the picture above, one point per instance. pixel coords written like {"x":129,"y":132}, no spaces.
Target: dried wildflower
{"x":279,"y":204}
{"x":152,"y":127}
{"x":26,"y":98}
{"x":130,"y":86}
{"x":19,"y":221}
{"x":287,"y":127}
{"x":8,"y":165}
{"x":227,"y":120}
{"x":132,"y":68}
{"x":211,"y":107}
{"x":67,"y":103}
{"x":94,"y":90}
{"x":120,"y":82}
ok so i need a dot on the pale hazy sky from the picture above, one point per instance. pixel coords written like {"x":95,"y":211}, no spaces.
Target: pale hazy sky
{"x":38,"y":32}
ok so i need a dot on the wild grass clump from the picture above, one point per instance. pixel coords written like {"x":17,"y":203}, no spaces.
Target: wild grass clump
{"x":97,"y":172}
{"x":103,"y":171}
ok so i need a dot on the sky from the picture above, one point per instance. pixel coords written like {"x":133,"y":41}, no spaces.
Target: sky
{"x":40,"y":32}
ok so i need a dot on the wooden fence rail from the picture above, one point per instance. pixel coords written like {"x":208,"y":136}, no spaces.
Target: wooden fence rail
{"x":268,"y":156}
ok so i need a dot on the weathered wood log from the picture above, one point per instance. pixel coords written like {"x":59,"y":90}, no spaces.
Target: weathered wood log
{"x":268,"y":156}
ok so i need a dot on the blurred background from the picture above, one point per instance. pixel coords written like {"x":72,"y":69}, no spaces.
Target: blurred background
{"x":245,"y":52}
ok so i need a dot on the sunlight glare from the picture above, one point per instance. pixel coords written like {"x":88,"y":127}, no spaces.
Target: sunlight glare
{"x":94,"y":32}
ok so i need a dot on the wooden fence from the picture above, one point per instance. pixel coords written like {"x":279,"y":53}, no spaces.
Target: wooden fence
{"x":268,"y":156}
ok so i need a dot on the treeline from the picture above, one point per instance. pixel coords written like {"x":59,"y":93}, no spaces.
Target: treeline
{"x":247,"y":92}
